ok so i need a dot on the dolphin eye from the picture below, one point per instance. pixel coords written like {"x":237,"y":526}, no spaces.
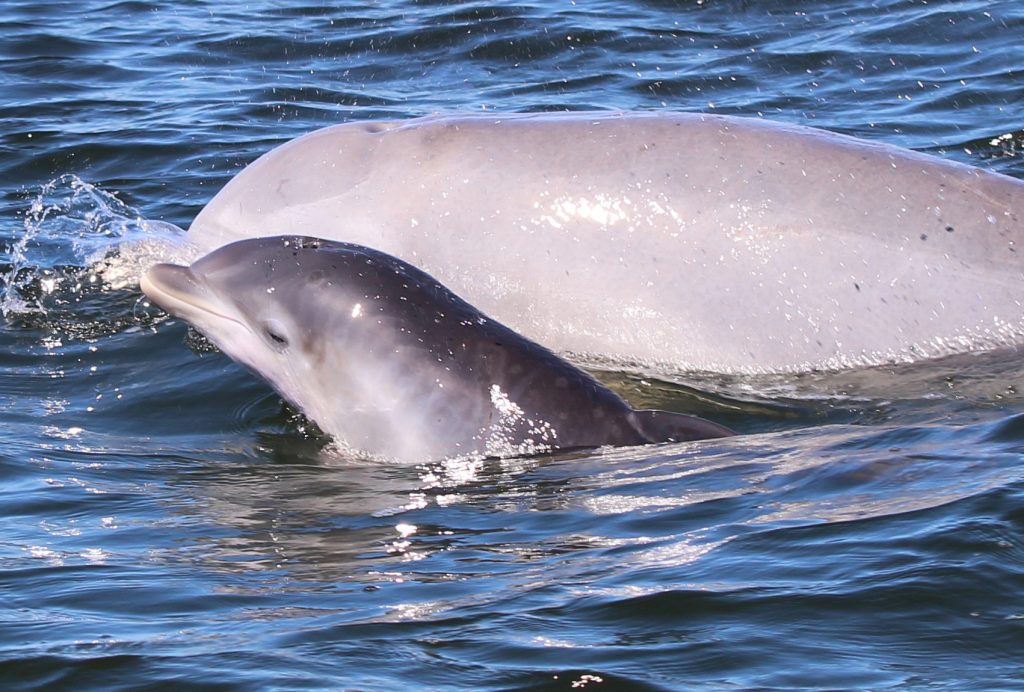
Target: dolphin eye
{"x":275,"y":334}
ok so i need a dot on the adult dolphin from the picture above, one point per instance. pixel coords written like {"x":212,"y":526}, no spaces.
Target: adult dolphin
{"x":693,"y":241}
{"x":392,"y":363}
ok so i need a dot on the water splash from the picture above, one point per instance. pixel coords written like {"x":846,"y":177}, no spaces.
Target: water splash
{"x":511,"y":421}
{"x":80,"y":245}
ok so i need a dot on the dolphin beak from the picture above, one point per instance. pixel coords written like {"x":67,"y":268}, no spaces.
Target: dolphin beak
{"x":178,"y":290}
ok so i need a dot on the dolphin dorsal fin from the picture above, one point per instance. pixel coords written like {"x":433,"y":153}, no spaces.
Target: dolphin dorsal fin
{"x":666,"y":426}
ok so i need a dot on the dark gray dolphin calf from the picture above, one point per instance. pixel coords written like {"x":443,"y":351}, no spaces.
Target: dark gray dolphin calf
{"x":390,"y":362}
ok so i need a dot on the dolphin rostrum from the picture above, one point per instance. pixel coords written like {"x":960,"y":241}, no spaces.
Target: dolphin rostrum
{"x":390,"y":362}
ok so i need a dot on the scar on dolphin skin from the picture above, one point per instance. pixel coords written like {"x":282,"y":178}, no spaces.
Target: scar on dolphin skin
{"x":392,"y":363}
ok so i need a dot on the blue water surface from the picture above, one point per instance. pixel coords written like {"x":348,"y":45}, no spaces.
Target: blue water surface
{"x":166,"y":521}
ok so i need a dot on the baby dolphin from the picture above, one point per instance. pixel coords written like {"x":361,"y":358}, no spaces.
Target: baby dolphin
{"x":390,"y":362}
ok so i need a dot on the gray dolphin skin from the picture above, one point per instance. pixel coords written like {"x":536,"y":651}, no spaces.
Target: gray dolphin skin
{"x":390,"y":362}
{"x":675,"y":240}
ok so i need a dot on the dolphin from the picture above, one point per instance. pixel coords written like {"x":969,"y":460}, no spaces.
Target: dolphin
{"x":390,"y":362}
{"x":674,"y":241}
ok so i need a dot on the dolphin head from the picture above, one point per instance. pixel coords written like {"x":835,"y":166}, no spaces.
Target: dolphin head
{"x":341,"y":331}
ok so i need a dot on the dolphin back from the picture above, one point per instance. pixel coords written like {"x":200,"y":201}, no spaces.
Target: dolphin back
{"x":665,"y":426}
{"x":901,"y":254}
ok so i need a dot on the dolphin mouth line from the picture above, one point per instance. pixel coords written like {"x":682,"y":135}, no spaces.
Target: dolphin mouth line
{"x":177,"y":290}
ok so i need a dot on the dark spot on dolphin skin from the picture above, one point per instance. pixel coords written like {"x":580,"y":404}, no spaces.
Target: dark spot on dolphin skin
{"x":857,"y":286}
{"x":924,"y":236}
{"x":949,"y":229}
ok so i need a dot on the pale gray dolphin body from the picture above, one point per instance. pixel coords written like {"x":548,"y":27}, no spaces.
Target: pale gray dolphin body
{"x":692,"y":241}
{"x":392,"y":363}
